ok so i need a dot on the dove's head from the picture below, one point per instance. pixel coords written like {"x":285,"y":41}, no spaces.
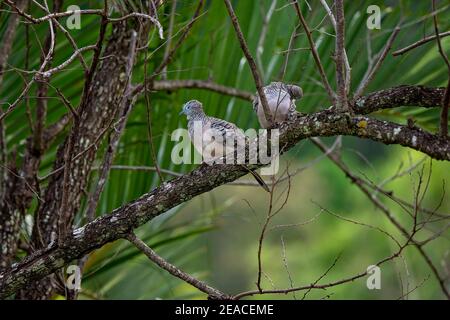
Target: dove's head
{"x":191,"y":108}
{"x":295,"y":92}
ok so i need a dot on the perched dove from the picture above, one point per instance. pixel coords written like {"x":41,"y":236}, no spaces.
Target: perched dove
{"x":231,"y":136}
{"x":281,"y":99}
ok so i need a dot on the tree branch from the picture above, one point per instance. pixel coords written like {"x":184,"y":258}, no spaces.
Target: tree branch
{"x":361,"y":184}
{"x":443,"y":127}
{"x":169,"y":56}
{"x":365,"y":82}
{"x":203,"y":179}
{"x":172,"y":85}
{"x":251,"y":62}
{"x":401,"y":96}
{"x":342,"y":102}
{"x":315,"y":54}
{"x":170,"y":268}
{"x":347,"y":63}
{"x":5,"y":51}
{"x":419,"y":43}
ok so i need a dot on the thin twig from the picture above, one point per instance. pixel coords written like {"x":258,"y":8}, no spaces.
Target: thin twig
{"x":99,"y":12}
{"x":315,"y":54}
{"x":443,"y":127}
{"x":263,"y":35}
{"x":168,"y":58}
{"x":342,"y":103}
{"x":321,"y":286}
{"x":419,"y":43}
{"x":322,"y":275}
{"x":149,"y":109}
{"x":67,"y":34}
{"x":251,"y":62}
{"x":173,"y":270}
{"x":360,"y":184}
{"x":50,"y":72}
{"x":169,"y":36}
{"x":365,"y":82}
{"x":286,"y":266}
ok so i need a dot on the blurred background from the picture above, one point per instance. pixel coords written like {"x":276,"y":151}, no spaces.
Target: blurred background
{"x":215,"y":236}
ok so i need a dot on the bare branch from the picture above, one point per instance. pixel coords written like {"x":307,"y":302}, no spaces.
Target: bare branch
{"x":99,"y":12}
{"x":176,"y":272}
{"x":365,"y":82}
{"x":443,"y":128}
{"x":68,"y":36}
{"x":347,"y":63}
{"x":419,"y":43}
{"x":172,"y":85}
{"x":50,"y":72}
{"x":168,"y":58}
{"x":360,"y":183}
{"x":315,"y":54}
{"x":401,"y":96}
{"x":251,"y":62}
{"x":123,"y":112}
{"x":263,"y":35}
{"x":169,"y":36}
{"x":321,"y":286}
{"x":342,"y":102}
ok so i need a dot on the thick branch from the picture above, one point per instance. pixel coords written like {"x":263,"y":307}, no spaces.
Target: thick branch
{"x":5,"y":51}
{"x":407,"y":96}
{"x":401,"y":96}
{"x":121,"y":221}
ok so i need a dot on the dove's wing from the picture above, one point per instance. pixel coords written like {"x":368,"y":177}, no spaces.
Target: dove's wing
{"x":226,"y":129}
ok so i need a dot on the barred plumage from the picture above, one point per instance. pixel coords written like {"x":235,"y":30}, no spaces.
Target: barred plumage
{"x":281,"y":99}
{"x":213,"y":131}
{"x":231,"y":137}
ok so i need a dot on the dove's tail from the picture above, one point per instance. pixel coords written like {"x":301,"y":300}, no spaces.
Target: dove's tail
{"x":258,"y":178}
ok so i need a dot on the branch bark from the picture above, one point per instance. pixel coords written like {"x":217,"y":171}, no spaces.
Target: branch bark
{"x":121,"y":221}
{"x":9,"y":219}
{"x":170,"y":268}
{"x":65,"y":188}
{"x":401,"y":96}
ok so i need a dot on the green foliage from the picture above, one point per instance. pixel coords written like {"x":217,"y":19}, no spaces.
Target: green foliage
{"x":212,"y":52}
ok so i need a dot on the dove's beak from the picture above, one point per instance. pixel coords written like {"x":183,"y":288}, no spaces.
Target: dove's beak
{"x":181,"y":112}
